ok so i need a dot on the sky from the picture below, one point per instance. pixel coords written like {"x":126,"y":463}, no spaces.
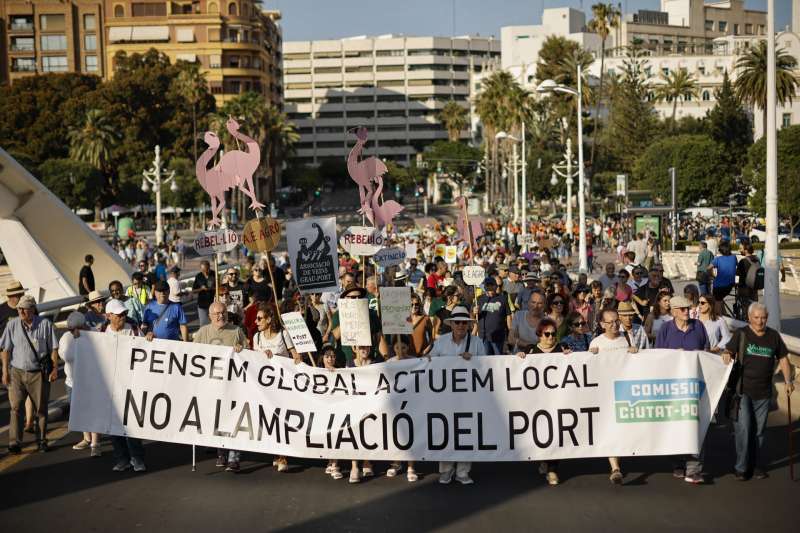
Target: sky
{"x":333,"y":19}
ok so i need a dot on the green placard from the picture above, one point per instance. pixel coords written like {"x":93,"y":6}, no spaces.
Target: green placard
{"x":649,"y":223}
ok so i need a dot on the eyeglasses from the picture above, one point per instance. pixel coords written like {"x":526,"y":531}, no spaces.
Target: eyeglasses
{"x":703,"y":302}
{"x":233,"y":274}
{"x":460,"y":322}
{"x":261,"y":317}
{"x":548,"y":334}
{"x":611,"y":323}
{"x":558,"y":302}
{"x":579,"y":324}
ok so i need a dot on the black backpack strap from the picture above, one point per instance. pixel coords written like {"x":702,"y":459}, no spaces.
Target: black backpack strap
{"x":469,"y":340}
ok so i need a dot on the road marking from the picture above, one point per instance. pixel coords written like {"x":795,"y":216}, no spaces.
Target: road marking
{"x":12,"y":459}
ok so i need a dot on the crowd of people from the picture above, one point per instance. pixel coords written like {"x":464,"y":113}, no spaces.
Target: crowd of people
{"x":528,"y":303}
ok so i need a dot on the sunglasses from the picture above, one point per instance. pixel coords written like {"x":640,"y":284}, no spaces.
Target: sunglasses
{"x":578,"y":324}
{"x":703,"y":302}
{"x":548,"y":334}
{"x":558,"y":302}
{"x":261,"y":317}
{"x":460,"y":322}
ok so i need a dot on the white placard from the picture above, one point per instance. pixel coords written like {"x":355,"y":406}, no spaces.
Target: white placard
{"x":362,"y":240}
{"x":411,"y":250}
{"x":473,"y":275}
{"x":387,"y":257}
{"x":395,"y":310}
{"x":451,"y":254}
{"x":498,"y":408}
{"x":311,"y":243}
{"x":219,"y":241}
{"x":354,"y":322}
{"x":298,"y":331}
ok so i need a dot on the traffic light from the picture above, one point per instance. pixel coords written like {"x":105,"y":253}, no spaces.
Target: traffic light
{"x":397,"y":188}
{"x":317,"y":192}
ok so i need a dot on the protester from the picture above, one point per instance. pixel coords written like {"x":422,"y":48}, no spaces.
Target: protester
{"x":86,"y":276}
{"x":361,"y":358}
{"x":29,"y":351}
{"x":723,"y":268}
{"x":237,"y":293}
{"x":458,"y":342}
{"x":635,"y":333}
{"x":95,"y":312}
{"x":378,"y":340}
{"x":659,"y":315}
{"x":757,"y":348}
{"x":330,"y":362}
{"x":522,"y":335}
{"x":692,"y":293}
{"x":556,"y":311}
{"x":751,"y":276}
{"x":133,"y":305}
{"x":137,"y":290}
{"x":716,"y":326}
{"x":452,"y":299}
{"x":220,"y":333}
{"x":8,"y":309}
{"x":402,"y":351}
{"x":494,"y":318}
{"x":164,"y":319}
{"x":578,"y":338}
{"x":204,"y":286}
{"x":703,"y":262}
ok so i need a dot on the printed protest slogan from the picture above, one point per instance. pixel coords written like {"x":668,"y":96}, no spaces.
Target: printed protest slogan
{"x":499,"y":408}
{"x":311,"y":243}
{"x":395,"y":310}
{"x":298,"y":331}
{"x":354,"y":322}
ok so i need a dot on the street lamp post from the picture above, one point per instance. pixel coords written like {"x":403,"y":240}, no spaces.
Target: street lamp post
{"x":549,"y":86}
{"x":155,"y":178}
{"x":771,"y":266}
{"x":564,"y":169}
{"x":504,"y":135}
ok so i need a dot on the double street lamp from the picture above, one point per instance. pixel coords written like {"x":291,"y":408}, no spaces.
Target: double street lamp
{"x":549,"y":87}
{"x":155,"y":178}
{"x":517,"y":215}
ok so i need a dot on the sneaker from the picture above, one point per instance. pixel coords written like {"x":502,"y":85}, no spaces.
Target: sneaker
{"x":122,"y":466}
{"x":552,"y":478}
{"x":616,"y":477}
{"x":96,"y":451}
{"x":446,"y":477}
{"x":138,"y":464}
{"x":355,"y":475}
{"x":222,"y":461}
{"x":43,"y":447}
{"x":367,"y":471}
{"x":82,"y":445}
{"x":394,"y":469}
{"x":678,"y":473}
{"x":14,"y":449}
{"x":411,"y":476}
{"x":233,"y":466}
{"x":695,"y":479}
{"x":329,"y":469}
{"x":740,"y":476}
{"x":465,"y":479}
{"x":760,"y":473}
{"x":336,"y":473}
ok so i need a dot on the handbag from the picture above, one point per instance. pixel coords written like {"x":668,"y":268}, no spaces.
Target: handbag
{"x":732,"y":396}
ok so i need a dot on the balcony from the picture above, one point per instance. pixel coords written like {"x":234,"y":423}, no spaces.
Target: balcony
{"x":23,"y":68}
{"x":20,"y":27}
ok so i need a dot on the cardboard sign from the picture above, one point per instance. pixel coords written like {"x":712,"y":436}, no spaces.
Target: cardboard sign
{"x":311,"y":243}
{"x":473,"y":275}
{"x":298,"y":331}
{"x":451,"y":254}
{"x":354,"y":322}
{"x":262,"y":234}
{"x":219,"y":241}
{"x":362,"y":240}
{"x":439,"y":250}
{"x":411,"y":250}
{"x":390,"y":256}
{"x":396,"y":310}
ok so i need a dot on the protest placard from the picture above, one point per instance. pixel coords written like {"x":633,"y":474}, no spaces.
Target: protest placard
{"x":362,"y":240}
{"x":219,"y":241}
{"x":261,"y":234}
{"x":387,"y":257}
{"x":395,"y":310}
{"x":439,"y":251}
{"x":354,"y":322}
{"x":473,"y":275}
{"x":298,"y":330}
{"x":411,"y":250}
{"x":451,"y":254}
{"x":311,"y":243}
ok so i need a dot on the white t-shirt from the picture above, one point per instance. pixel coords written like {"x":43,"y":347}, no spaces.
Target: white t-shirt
{"x":68,"y":348}
{"x":279,"y":344}
{"x":603,"y":343}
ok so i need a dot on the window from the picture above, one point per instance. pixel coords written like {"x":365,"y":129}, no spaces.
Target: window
{"x":390,"y":53}
{"x":51,"y":22}
{"x":360,"y":114}
{"x":389,"y":98}
{"x":748,"y":29}
{"x":21,"y":23}
{"x":232,"y":10}
{"x":233,"y":61}
{"x":736,"y":29}
{"x":213,"y":7}
{"x":664,"y":71}
{"x":361,"y":99}
{"x":393,"y":83}
{"x":214,"y":61}
{"x":328,"y":70}
{"x":389,"y":68}
{"x":294,"y":86}
{"x":22,"y":44}
{"x":327,"y":55}
{"x":119,"y":11}
{"x":786,"y":120}
{"x":709,"y":26}
{"x":214,"y":35}
{"x":761,"y":30}
{"x":54,"y":64}
{"x":141,"y":9}
{"x":297,"y":71}
{"x":706,"y":96}
{"x":297,"y":56}
{"x":701,"y":69}
{"x":298,"y":100}
{"x":91,"y":63}
{"x":89,"y":22}
{"x":723,"y":26}
{"x":90,"y":42}
{"x":23,"y":64}
{"x":54,"y":42}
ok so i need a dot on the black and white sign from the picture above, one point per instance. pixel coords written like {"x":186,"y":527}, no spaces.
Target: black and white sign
{"x":311,"y":243}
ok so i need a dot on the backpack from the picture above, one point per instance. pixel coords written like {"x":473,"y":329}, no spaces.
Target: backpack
{"x":755,"y":275}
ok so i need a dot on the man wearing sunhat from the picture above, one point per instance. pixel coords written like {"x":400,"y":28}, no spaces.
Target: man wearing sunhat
{"x":8,"y":309}
{"x":29,"y":352}
{"x":95,"y":312}
{"x":459,"y":342}
{"x":634,"y":332}
{"x":530,"y":281}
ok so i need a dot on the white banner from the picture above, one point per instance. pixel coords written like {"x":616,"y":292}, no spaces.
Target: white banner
{"x":354,"y":321}
{"x":311,"y":243}
{"x":211,"y":242}
{"x":395,"y":310}
{"x":362,"y":240}
{"x":496,"y":408}
{"x":298,"y":331}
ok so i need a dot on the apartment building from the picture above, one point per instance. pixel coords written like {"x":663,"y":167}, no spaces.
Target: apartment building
{"x":394,"y":85}
{"x":236,"y":43}
{"x":41,"y":36}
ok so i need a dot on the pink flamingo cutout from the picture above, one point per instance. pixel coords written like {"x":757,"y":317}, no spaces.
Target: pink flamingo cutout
{"x":363,"y":171}
{"x":461,"y":224}
{"x":235,"y":169}
{"x":386,"y":211}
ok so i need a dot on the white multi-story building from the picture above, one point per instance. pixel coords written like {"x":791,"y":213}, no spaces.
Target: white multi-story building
{"x":394,"y":85}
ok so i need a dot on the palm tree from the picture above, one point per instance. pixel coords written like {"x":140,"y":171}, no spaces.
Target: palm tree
{"x":606,"y":17}
{"x":281,"y":136}
{"x":751,"y":79}
{"x":454,"y":118}
{"x":93,"y":143}
{"x":190,"y":83}
{"x":677,"y":84}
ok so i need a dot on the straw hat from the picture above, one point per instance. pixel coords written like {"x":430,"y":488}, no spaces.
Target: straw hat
{"x":625,"y":308}
{"x":94,"y":296}
{"x":459,"y":314}
{"x":15,"y":288}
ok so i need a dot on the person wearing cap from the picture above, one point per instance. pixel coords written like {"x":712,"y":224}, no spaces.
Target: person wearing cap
{"x":29,"y":352}
{"x":458,"y":343}
{"x":95,"y":311}
{"x":86,"y":276}
{"x":512,"y":285}
{"x":684,"y":333}
{"x":530,"y":281}
{"x":164,"y":319}
{"x":494,"y":318}
{"x":8,"y":309}
{"x":636,"y":333}
{"x":378,"y":340}
{"x":128,"y":451}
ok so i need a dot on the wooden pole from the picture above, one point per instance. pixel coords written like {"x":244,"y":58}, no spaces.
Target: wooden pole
{"x":216,"y":275}
{"x":791,"y":440}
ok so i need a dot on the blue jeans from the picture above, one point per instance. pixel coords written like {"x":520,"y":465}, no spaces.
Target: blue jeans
{"x":493,"y":348}
{"x":749,"y":432}
{"x":126,"y":448}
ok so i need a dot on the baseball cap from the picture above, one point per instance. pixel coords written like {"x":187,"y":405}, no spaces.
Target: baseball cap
{"x":115,"y":307}
{"x":676,"y":302}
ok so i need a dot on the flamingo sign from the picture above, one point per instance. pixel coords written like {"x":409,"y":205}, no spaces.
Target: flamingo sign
{"x":368,"y":175}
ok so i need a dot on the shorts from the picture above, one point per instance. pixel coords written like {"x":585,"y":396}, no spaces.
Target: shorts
{"x":721,"y":292}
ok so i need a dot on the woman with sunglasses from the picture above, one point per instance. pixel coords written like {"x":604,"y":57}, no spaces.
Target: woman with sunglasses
{"x":421,"y":329}
{"x":557,"y":311}
{"x":273,"y":340}
{"x":548,"y":343}
{"x":716,"y":327}
{"x":657,"y":317}
{"x":579,"y":337}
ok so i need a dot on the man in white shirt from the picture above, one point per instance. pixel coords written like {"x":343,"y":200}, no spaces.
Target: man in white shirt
{"x":459,"y":342}
{"x":639,"y":247}
{"x":609,"y":279}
